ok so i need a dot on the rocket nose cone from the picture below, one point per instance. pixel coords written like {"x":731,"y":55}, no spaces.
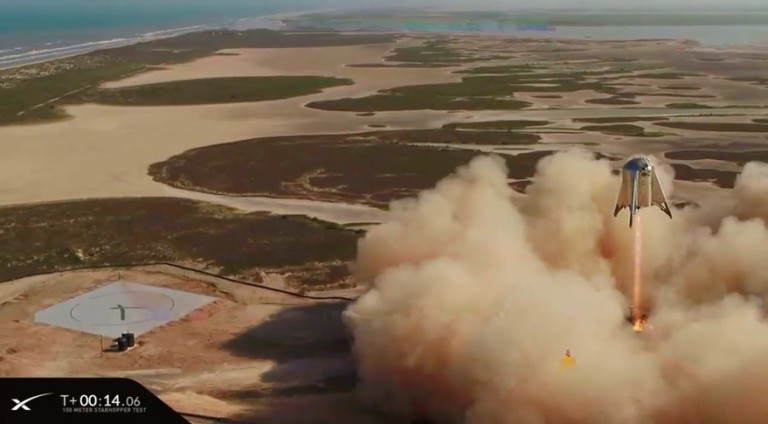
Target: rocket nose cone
{"x":635,"y":164}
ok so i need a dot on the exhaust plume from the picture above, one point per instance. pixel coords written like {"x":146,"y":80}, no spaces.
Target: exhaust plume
{"x":473,"y":300}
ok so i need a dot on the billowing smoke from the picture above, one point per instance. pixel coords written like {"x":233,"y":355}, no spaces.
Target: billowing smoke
{"x":474,"y":299}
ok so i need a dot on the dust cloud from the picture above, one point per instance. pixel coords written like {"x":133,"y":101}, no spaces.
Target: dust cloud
{"x":474,"y":299}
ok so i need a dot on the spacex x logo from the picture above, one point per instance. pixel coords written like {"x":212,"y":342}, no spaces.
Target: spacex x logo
{"x":22,"y":404}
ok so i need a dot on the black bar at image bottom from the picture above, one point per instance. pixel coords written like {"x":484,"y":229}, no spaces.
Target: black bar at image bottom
{"x":81,"y":400}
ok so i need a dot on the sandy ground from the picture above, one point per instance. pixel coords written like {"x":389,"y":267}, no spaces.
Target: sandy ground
{"x":104,"y":151}
{"x":565,"y":115}
{"x":725,"y":93}
{"x":190,"y":380}
{"x":79,"y":353}
{"x":567,"y":99}
{"x":622,"y":147}
{"x":340,"y":213}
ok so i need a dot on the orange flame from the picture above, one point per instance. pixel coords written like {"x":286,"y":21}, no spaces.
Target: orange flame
{"x":638,"y":326}
{"x":637,"y":289}
{"x":637,"y":293}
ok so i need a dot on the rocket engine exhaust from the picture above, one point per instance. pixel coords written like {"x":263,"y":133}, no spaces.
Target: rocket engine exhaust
{"x":640,"y":188}
{"x":474,"y":293}
{"x":637,"y":275}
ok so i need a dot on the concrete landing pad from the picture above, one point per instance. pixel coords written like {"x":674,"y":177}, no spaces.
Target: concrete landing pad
{"x":121,"y":307}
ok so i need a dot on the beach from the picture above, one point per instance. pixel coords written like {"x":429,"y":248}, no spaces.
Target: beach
{"x":64,"y":37}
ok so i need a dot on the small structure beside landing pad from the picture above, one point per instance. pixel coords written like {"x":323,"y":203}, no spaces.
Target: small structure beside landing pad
{"x":122,"y":307}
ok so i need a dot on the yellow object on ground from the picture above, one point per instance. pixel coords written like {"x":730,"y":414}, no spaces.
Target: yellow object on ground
{"x":568,"y":359}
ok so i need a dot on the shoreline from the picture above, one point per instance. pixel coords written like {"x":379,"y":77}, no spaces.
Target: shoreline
{"x":20,"y":56}
{"x":281,"y":25}
{"x":79,"y":49}
{"x":98,"y":45}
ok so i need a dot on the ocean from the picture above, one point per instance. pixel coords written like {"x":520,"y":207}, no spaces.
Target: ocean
{"x":720,"y":35}
{"x":38,"y":30}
